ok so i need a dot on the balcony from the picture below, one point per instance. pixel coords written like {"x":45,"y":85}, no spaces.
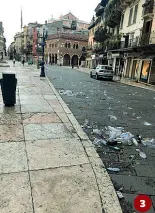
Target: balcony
{"x":148,"y":9}
{"x":145,"y":39}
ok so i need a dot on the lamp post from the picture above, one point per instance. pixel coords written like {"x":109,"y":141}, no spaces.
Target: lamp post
{"x":43,"y":43}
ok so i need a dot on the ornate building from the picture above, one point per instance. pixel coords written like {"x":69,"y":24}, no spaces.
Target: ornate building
{"x":67,"y":41}
{"x":66,"y":48}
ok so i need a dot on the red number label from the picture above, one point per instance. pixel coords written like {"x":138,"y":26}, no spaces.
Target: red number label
{"x":142,"y":203}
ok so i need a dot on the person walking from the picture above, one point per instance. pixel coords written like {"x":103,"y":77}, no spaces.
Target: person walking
{"x":14,"y":61}
{"x":23,"y":61}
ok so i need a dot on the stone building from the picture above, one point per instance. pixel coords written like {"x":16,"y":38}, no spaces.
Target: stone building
{"x":66,"y":48}
{"x":18,"y":39}
{"x":67,"y":41}
{"x":2,"y":42}
{"x":66,"y":23}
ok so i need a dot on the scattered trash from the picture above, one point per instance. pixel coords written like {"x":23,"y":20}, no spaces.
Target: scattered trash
{"x":149,"y":142}
{"x":99,"y":142}
{"x":120,"y":195}
{"x":121,"y":188}
{"x":139,"y":117}
{"x":112,"y":117}
{"x":134,"y":141}
{"x":147,"y":124}
{"x":79,"y":94}
{"x":85,"y":124}
{"x":113,"y":169}
{"x":126,"y":136}
{"x":97,"y":132}
{"x":125,"y":113}
{"x":139,"y":139}
{"x":141,"y":154}
{"x":113,"y":132}
{"x":87,"y":97}
{"x":129,"y":108}
{"x":66,"y":92}
{"x":112,"y":143}
{"x":115,"y":148}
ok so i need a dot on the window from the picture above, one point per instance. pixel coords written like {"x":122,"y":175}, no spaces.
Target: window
{"x":55,"y":45}
{"x":77,"y":46}
{"x":66,"y":45}
{"x":135,"y":14}
{"x":122,"y":20}
{"x":130,"y":17}
{"x":52,"y":45}
{"x":69,"y":45}
{"x":73,"y":46}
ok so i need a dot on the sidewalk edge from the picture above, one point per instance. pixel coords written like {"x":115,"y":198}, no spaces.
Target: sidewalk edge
{"x":109,"y":199}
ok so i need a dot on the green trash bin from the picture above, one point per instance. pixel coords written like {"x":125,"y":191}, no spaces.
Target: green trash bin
{"x":8,"y":87}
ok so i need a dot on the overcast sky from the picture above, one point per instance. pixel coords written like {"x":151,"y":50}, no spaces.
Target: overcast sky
{"x":35,"y":10}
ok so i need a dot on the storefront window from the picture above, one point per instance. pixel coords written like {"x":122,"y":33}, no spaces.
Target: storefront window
{"x":145,"y":70}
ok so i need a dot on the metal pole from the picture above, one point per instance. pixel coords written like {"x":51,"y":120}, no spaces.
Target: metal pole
{"x":42,"y":74}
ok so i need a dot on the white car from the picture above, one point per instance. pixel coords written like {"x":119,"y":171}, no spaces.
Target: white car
{"x":102,"y":71}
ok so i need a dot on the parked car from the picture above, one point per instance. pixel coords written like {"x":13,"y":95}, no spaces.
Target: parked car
{"x":30,"y":62}
{"x":102,"y":71}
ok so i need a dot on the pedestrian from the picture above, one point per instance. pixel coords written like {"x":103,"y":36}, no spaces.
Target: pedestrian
{"x":14,"y":61}
{"x":23,"y":61}
{"x":72,"y":66}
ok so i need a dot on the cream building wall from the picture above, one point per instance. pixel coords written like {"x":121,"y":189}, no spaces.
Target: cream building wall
{"x":136,"y":27}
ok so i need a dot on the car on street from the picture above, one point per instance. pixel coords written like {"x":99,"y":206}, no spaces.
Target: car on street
{"x":30,"y":62}
{"x":102,"y":71}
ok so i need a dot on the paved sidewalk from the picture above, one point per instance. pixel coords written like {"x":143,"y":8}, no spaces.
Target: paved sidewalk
{"x":47,"y":163}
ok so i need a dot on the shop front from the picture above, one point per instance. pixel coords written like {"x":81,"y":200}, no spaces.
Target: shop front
{"x":145,"y":70}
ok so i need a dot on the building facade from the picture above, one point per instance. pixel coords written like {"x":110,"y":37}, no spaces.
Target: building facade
{"x":66,"y":23}
{"x":126,"y":38}
{"x":66,"y":49}
{"x":2,"y":42}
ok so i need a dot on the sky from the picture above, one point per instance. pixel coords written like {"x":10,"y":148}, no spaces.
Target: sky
{"x":37,"y":10}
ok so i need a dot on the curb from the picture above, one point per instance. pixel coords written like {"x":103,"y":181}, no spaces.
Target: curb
{"x":109,"y":199}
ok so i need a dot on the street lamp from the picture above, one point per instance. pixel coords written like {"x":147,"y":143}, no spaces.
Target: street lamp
{"x":43,"y":43}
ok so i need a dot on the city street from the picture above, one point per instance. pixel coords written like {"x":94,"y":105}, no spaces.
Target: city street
{"x":99,"y":104}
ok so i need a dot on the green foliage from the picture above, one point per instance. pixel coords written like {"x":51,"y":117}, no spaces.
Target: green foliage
{"x":113,"y":13}
{"x":101,"y":35}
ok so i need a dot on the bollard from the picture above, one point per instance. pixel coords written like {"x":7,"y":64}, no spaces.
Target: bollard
{"x":8,"y":87}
